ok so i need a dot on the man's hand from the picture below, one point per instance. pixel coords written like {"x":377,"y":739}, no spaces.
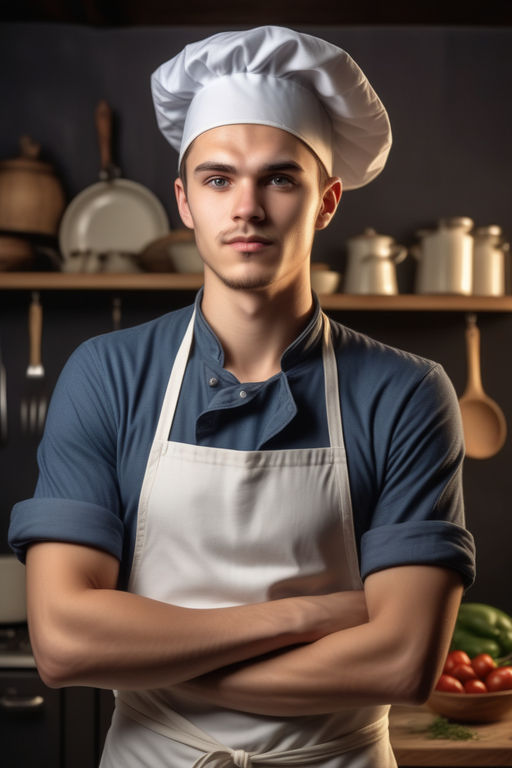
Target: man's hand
{"x":393,"y":658}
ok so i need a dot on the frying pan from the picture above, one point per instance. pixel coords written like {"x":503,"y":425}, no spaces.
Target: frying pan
{"x":114,"y":215}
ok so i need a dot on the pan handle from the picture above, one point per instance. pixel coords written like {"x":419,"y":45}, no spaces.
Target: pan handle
{"x":474,"y":384}
{"x":103,"y":116}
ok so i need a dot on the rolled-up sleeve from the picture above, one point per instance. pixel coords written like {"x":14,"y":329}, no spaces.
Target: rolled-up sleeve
{"x":75,"y":522}
{"x":419,"y":516}
{"x":77,"y":497}
{"x":429,"y":542}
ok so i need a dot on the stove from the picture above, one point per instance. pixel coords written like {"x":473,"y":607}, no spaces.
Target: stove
{"x":15,"y":650}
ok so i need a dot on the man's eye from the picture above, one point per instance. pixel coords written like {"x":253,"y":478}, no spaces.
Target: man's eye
{"x":217,"y":182}
{"x":281,"y":181}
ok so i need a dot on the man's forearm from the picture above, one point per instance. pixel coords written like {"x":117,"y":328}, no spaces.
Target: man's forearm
{"x":393,"y":658}
{"x":321,"y":677}
{"x":85,"y":632}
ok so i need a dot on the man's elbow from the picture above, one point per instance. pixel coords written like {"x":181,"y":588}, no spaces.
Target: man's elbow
{"x":56,"y":656}
{"x":54,"y":666}
{"x":52,"y":675}
{"x":418,"y":690}
{"x":417,"y":676}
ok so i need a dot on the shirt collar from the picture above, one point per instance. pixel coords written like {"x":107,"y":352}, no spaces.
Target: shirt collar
{"x":305,"y":343}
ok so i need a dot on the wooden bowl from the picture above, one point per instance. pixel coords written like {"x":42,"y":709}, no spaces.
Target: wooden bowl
{"x":471,"y":707}
{"x":175,"y":252}
{"x":16,"y":253}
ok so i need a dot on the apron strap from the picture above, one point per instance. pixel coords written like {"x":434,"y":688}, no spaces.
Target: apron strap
{"x":332,"y":396}
{"x":335,"y":426}
{"x":172,"y":392}
{"x":159,"y":444}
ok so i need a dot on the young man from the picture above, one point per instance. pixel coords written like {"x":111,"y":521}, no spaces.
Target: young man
{"x":249,"y":519}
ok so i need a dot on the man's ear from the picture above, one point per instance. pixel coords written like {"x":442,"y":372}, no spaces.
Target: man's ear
{"x":183,"y":208}
{"x":330,"y":200}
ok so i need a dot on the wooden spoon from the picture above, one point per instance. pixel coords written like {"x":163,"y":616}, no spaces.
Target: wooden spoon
{"x":485,"y":428}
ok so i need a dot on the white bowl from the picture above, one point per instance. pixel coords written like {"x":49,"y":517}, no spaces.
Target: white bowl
{"x":324,"y":280}
{"x":185,"y":257}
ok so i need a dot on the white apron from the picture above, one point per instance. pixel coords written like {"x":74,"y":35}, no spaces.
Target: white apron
{"x":219,"y":527}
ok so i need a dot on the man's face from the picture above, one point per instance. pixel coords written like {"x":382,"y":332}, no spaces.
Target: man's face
{"x":254,"y":202}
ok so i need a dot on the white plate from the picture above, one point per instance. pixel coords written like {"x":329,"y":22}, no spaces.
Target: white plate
{"x":119,"y":215}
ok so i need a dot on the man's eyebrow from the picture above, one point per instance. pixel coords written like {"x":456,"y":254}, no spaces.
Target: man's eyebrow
{"x":279,"y":167}
{"x":213,"y":166}
{"x":286,"y":165}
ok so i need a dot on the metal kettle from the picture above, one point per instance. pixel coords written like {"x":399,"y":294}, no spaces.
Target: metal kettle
{"x":371,"y":263}
{"x":445,"y":257}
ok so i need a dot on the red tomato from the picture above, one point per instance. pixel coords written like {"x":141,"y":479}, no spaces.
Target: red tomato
{"x":483,"y":664}
{"x":500,"y":679}
{"x":475,"y":686}
{"x":449,"y":684}
{"x":454,"y":658}
{"x":464,"y":672}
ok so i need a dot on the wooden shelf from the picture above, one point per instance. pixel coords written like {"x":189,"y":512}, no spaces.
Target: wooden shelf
{"x":411,"y":302}
{"x":171,"y":281}
{"x":104,"y":281}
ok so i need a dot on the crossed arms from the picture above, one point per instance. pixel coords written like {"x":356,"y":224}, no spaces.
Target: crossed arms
{"x":295,"y":656}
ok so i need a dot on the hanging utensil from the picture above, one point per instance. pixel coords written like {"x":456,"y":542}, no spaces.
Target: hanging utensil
{"x":116,"y":313}
{"x":34,"y":402}
{"x":485,"y":427}
{"x":3,"y":402}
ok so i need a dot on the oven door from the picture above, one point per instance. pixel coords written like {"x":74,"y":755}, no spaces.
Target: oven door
{"x":30,"y":721}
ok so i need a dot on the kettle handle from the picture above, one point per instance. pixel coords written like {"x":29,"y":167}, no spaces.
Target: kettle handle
{"x":398,"y":254}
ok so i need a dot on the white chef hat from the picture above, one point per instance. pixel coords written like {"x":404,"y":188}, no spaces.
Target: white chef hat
{"x":278,"y":77}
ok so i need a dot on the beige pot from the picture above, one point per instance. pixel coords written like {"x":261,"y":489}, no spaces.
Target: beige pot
{"x":31,"y":196}
{"x":13,"y":605}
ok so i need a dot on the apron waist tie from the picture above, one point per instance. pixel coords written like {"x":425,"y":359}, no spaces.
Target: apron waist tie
{"x":148,"y":711}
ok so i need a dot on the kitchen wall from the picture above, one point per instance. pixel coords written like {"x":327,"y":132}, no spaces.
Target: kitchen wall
{"x":447,"y":93}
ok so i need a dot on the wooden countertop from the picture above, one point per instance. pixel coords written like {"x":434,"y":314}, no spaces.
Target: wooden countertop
{"x":412,"y":747}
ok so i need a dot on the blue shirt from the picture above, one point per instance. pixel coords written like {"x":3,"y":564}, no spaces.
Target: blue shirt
{"x":401,"y":424}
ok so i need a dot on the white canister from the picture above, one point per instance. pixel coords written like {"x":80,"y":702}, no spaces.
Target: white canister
{"x":445,"y":258}
{"x":489,"y":261}
{"x":13,"y":604}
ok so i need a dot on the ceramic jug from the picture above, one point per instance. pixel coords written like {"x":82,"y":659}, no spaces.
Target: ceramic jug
{"x":489,"y":253}
{"x":32,"y":197}
{"x":445,"y":257}
{"x":371,"y":263}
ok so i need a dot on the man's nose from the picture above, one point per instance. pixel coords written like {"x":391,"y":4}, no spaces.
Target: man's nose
{"x":247,"y":203}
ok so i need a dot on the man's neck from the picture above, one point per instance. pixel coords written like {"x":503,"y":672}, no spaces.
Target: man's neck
{"x":255,"y":327}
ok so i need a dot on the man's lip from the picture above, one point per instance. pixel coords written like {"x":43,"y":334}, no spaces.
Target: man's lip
{"x":253,"y":239}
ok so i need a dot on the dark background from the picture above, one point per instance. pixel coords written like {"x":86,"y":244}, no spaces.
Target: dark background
{"x":444,"y":75}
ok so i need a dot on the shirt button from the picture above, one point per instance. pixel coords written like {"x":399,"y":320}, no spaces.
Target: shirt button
{"x":243,"y":393}
{"x":213,"y":381}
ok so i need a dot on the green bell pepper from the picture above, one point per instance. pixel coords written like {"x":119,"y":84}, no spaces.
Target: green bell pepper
{"x":482,"y":628}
